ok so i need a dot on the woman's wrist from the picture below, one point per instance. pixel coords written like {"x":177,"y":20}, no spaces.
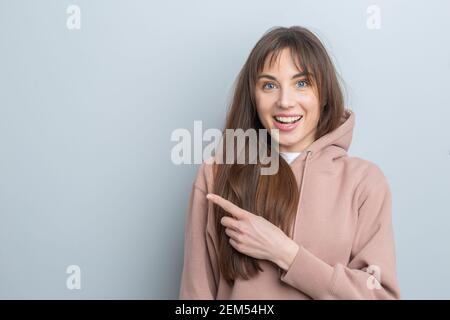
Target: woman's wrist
{"x":287,"y":255}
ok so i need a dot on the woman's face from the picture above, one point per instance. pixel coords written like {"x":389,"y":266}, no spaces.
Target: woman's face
{"x":286,"y":101}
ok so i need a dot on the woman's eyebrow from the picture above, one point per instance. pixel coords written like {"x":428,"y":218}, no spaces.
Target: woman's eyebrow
{"x":298,"y":75}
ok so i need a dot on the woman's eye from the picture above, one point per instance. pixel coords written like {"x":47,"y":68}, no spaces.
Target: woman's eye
{"x":269,"y":85}
{"x":303,"y":83}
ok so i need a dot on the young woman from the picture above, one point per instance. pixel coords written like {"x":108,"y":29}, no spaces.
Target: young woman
{"x":320,"y":228}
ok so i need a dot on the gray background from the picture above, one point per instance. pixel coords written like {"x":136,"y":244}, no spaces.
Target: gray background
{"x":86,"y":116}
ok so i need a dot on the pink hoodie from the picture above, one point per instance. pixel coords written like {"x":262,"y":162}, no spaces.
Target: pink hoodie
{"x":343,"y":228}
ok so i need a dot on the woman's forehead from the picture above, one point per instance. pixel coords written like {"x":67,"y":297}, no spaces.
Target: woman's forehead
{"x":282,"y":57}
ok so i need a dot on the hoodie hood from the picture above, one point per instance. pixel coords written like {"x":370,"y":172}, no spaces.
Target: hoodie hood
{"x":336,"y":142}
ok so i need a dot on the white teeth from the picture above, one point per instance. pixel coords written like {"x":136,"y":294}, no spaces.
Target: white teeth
{"x":287,"y":119}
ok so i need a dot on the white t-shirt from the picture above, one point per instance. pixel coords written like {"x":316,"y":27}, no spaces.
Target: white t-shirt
{"x":289,"y":156}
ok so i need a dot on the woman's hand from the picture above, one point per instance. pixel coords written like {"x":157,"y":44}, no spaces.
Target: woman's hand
{"x":255,"y":236}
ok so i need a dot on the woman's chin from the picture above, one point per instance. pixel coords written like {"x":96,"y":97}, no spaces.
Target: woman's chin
{"x":289,"y":142}
{"x":288,"y":147}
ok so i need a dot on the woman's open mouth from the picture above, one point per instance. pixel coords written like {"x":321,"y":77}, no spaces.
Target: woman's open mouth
{"x":287,"y":123}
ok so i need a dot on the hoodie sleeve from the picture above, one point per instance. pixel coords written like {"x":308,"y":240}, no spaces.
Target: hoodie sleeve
{"x":371,"y":271}
{"x":200,"y":267}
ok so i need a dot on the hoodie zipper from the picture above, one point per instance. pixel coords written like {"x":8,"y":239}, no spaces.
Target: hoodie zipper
{"x":299,"y":207}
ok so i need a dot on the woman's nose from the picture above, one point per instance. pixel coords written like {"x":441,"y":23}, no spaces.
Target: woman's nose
{"x":286,"y":98}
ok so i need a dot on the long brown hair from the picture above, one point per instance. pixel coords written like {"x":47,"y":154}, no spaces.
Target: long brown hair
{"x":275,"y":197}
